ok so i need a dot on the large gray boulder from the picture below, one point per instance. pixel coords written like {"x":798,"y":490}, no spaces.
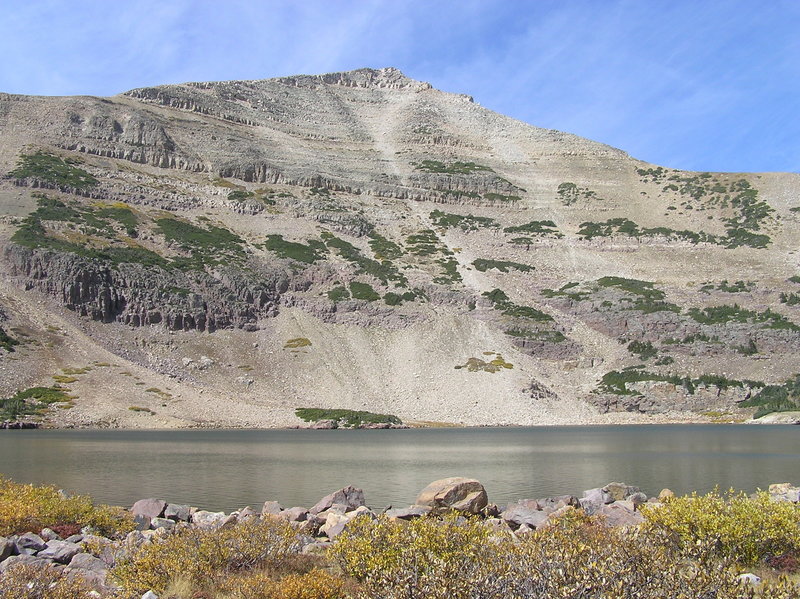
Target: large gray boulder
{"x":594,"y":499}
{"x":349,"y":496}
{"x":25,"y":560}
{"x":272,"y":508}
{"x":86,"y":561}
{"x":208,"y":520}
{"x":408,"y":513}
{"x":454,"y":493}
{"x":784,"y":492}
{"x":620,"y":491}
{"x":60,"y":551}
{"x":149,"y":508}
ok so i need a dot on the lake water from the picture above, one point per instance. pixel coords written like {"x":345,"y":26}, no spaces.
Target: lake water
{"x":228,"y":469}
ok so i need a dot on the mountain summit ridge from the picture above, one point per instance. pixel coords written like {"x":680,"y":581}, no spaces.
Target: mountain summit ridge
{"x":361,"y":240}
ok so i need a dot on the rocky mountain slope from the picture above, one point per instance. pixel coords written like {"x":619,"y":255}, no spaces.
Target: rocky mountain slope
{"x":220,"y":254}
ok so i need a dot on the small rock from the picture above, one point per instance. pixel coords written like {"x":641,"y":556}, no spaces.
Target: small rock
{"x":524,"y":513}
{"x":784,"y":492}
{"x":141,"y":522}
{"x":454,"y":493}
{"x":594,"y":499}
{"x":49,"y":535}
{"x":149,"y":508}
{"x":246,"y":514}
{"x":409,"y":513}
{"x":162,"y":523}
{"x":325,"y":425}
{"x":149,"y":595}
{"x":748,"y":578}
{"x":76,"y":538}
{"x":27,"y":560}
{"x":619,"y":514}
{"x":205,"y":519}
{"x":205,"y":363}
{"x":6,"y":548}
{"x":638,"y":499}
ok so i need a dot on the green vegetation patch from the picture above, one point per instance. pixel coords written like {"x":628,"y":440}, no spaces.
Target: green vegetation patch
{"x":31,"y":401}
{"x":308,"y":253}
{"x":616,"y":382}
{"x":570,"y":193}
{"x":384,"y":249}
{"x":484,"y":264}
{"x":7,"y":342}
{"x":452,"y":168}
{"x":790,"y":299}
{"x":465,"y":222}
{"x":214,"y":245}
{"x":645,"y":297}
{"x":508,"y":308}
{"x":725,"y":286}
{"x":338,"y":294}
{"x":478,"y":365}
{"x":643,"y":349}
{"x":395,"y":299}
{"x":544,"y":336}
{"x":384,"y":271}
{"x":735,"y":313}
{"x":776,"y":398}
{"x":536,"y":227}
{"x":240,"y":195}
{"x":60,"y":172}
{"x":626,"y":227}
{"x":297,"y":343}
{"x":345,"y":418}
{"x":363,"y":291}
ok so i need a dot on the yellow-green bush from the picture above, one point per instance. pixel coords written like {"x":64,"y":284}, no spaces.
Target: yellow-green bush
{"x":739,"y":527}
{"x":576,"y":556}
{"x":31,"y":508}
{"x":34,"y":582}
{"x":316,"y":584}
{"x":205,"y":556}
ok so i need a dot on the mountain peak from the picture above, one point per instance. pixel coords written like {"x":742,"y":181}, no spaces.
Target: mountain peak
{"x":387,"y":77}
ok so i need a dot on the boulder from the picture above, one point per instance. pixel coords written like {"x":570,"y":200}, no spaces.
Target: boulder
{"x":526,"y":512}
{"x":408,"y":513}
{"x":594,"y":499}
{"x":6,"y":548}
{"x":149,"y":508}
{"x":205,"y":519}
{"x":141,"y":522}
{"x":620,"y":491}
{"x":149,"y":595}
{"x":60,"y":551}
{"x":162,"y":523}
{"x":619,"y":514}
{"x":349,"y":496}
{"x":86,"y":561}
{"x":295,"y":514}
{"x":26,"y":560}
{"x":76,"y":538}
{"x":638,"y":499}
{"x":29,"y":543}
{"x":551,"y":504}
{"x":49,"y":535}
{"x":784,"y":492}
{"x":271,"y":507}
{"x":178,"y":512}
{"x":665,"y":495}
{"x":455,"y":493}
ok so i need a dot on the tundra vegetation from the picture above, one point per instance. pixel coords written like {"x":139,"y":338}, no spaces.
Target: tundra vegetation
{"x":690,"y":546}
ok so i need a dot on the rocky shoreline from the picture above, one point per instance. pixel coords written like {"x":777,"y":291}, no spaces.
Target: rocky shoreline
{"x":90,"y":555}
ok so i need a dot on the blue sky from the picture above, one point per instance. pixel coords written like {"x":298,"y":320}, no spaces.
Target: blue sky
{"x":701,"y":85}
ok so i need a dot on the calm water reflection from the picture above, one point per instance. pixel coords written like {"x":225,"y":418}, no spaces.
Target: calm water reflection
{"x":229,"y":469}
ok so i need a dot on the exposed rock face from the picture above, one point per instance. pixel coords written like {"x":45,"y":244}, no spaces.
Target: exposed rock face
{"x":407,"y":228}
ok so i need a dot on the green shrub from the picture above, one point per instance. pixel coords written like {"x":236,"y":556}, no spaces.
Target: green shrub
{"x":338,"y":294}
{"x":484,"y":264}
{"x":363,"y":291}
{"x":452,"y":168}
{"x":30,"y":508}
{"x":7,"y":342}
{"x":465,"y":222}
{"x":52,"y":169}
{"x":240,"y":195}
{"x":346,"y":418}
{"x":744,"y":529}
{"x":308,"y":254}
{"x":643,"y":349}
{"x":536,"y":227}
{"x":31,"y":401}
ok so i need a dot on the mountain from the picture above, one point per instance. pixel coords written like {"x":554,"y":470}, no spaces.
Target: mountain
{"x":220,"y":254}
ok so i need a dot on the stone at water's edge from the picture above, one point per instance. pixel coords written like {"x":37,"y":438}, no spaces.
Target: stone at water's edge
{"x":784,"y":492}
{"x":349,"y":496}
{"x":149,"y":508}
{"x":455,"y":493}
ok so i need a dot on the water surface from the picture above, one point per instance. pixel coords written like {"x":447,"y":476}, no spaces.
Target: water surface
{"x":228,"y":469}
